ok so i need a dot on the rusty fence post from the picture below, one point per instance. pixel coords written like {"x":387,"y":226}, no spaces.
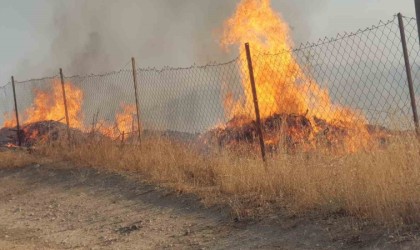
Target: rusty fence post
{"x":417,"y":8}
{"x":19,"y":137}
{"x":409,"y":75}
{"x":254,"y":94}
{"x":133,"y":64}
{"x":65,"y":103}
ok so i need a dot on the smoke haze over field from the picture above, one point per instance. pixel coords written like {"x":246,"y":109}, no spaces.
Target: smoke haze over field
{"x":94,"y":36}
{"x":100,"y":35}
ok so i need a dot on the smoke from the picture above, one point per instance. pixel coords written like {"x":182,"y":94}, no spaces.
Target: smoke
{"x":301,"y":15}
{"x":96,"y":36}
{"x":100,"y":35}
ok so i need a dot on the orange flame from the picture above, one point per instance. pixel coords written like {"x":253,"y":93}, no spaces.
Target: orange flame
{"x":9,"y":121}
{"x":125,"y":122}
{"x":49,"y":105}
{"x":282,"y":86}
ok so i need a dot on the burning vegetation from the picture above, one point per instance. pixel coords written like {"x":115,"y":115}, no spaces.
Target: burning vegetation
{"x":45,"y":119}
{"x":295,"y":110}
{"x":296,"y":113}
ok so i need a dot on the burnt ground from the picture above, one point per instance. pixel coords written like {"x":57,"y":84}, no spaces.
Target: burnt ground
{"x":57,"y":206}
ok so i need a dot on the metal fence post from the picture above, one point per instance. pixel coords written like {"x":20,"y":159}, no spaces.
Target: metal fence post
{"x":409,"y":76}
{"x":133,"y":64}
{"x":417,"y":6}
{"x":17,"y":114}
{"x":254,"y":94}
{"x":65,"y":103}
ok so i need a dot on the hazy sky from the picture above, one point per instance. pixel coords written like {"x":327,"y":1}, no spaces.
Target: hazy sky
{"x":28,"y":29}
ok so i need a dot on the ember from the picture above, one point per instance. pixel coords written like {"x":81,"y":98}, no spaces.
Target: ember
{"x":33,"y":133}
{"x":291,"y":133}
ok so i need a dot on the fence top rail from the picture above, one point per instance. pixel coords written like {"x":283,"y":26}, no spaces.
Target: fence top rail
{"x":194,"y":66}
{"x":36,"y":79}
{"x":98,"y":75}
{"x":407,"y":17}
{"x":4,"y":86}
{"x":114,"y":72}
{"x":341,"y":36}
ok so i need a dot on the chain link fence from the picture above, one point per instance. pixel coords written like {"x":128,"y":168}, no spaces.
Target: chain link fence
{"x":105,"y":98}
{"x":6,"y":104}
{"x":350,"y":81}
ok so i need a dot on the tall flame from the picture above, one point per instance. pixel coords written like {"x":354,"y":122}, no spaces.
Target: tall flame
{"x":282,"y":86}
{"x":49,"y":105}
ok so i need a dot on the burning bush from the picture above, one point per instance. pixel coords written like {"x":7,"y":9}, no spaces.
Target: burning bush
{"x":288,"y":99}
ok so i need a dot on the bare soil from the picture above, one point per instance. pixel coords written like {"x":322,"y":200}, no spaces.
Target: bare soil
{"x":57,"y":206}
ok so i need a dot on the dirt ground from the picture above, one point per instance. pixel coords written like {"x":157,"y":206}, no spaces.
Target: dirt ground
{"x":61,"y":207}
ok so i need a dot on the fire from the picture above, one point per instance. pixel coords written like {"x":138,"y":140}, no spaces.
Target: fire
{"x":282,"y":86}
{"x":126,"y":119}
{"x":49,"y":105}
{"x":9,"y":121}
{"x":125,"y":122}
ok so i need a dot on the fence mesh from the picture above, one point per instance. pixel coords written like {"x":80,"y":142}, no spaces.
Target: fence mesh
{"x":187,"y":99}
{"x":343,"y":82}
{"x":363,"y":71}
{"x":6,"y":103}
{"x":108,"y":102}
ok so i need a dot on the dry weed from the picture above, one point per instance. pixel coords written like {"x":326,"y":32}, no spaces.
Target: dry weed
{"x":383,"y":185}
{"x":15,"y":159}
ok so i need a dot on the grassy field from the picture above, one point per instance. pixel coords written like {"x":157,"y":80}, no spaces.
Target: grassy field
{"x":381,"y":185}
{"x":13,"y":159}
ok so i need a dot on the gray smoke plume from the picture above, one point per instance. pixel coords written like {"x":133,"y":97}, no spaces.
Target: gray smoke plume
{"x":99,"y":35}
{"x":299,"y":15}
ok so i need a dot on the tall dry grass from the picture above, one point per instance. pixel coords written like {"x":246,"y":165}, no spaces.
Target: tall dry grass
{"x":15,"y":159}
{"x":383,"y":185}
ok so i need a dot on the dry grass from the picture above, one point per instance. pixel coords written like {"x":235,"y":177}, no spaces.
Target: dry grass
{"x":15,"y":159}
{"x":383,"y":185}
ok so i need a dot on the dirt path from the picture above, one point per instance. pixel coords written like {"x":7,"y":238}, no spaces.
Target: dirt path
{"x":45,"y":207}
